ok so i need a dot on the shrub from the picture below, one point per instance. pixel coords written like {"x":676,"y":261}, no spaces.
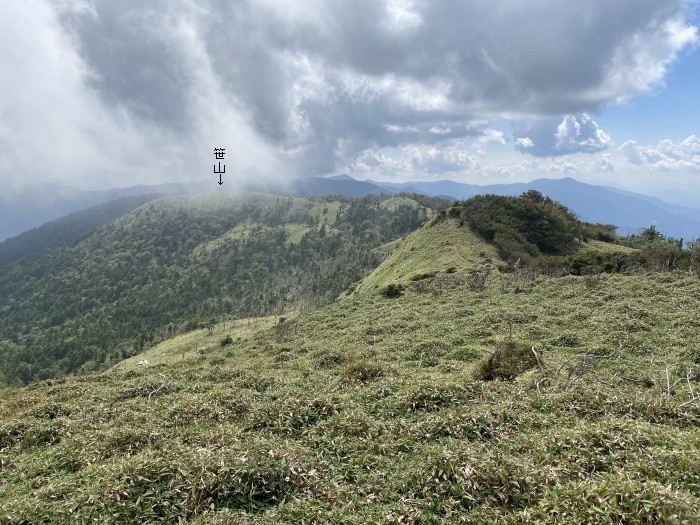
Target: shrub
{"x":567,"y":340}
{"x":363,"y":371}
{"x":477,"y":281}
{"x":510,"y":359}
{"x":522,"y":227}
{"x":392,"y":290}
{"x":285,"y":329}
{"x":226,"y":341}
{"x":329,"y":360}
{"x":421,"y":276}
{"x":431,"y":398}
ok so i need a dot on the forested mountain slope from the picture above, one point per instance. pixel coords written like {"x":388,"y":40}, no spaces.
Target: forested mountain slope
{"x":177,"y":262}
{"x":515,"y":397}
{"x":69,"y":229}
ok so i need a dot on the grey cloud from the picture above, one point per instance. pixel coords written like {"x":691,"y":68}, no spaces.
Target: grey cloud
{"x":305,"y":87}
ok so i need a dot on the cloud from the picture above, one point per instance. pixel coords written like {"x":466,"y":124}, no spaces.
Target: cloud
{"x":108,"y":118}
{"x":490,"y":136}
{"x":124,"y":91}
{"x":605,"y":163}
{"x":580,"y":135}
{"x":451,"y":157}
{"x":524,"y":143}
{"x":573,"y":134}
{"x":415,"y":160}
{"x":665,"y":156}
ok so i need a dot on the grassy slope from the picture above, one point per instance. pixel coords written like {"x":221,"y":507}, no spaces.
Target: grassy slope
{"x":435,"y":247}
{"x":395,"y":202}
{"x":367,"y":412}
{"x":607,"y":247}
{"x":192,"y":345}
{"x":244,"y":230}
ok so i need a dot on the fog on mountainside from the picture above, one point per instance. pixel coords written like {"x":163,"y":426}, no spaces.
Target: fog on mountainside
{"x":629,"y":211}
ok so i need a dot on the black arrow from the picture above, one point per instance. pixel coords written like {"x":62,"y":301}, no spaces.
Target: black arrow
{"x":220,"y":181}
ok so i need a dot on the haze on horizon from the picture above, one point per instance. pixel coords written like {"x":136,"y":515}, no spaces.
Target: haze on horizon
{"x":116,"y":93}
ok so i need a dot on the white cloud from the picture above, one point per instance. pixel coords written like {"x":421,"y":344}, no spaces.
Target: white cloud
{"x":490,"y":136}
{"x":605,"y":163}
{"x":582,"y":134}
{"x":402,"y":15}
{"x":572,"y":134}
{"x":524,"y":143}
{"x":416,"y":160}
{"x":642,"y":60}
{"x":439,"y":158}
{"x":666,"y":156}
{"x":56,"y":124}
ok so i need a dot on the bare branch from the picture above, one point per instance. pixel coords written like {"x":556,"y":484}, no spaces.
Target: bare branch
{"x":538,"y":362}
{"x":161,"y":387}
{"x":689,"y":402}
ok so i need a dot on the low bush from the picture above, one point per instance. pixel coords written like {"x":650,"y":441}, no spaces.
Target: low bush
{"x":363,"y":371}
{"x":421,"y":276}
{"x":510,"y":359}
{"x":392,"y":290}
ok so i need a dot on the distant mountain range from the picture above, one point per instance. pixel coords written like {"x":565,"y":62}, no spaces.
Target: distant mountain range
{"x":627,"y":210}
{"x":29,"y":209}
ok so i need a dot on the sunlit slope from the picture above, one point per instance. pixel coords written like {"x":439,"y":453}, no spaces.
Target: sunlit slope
{"x":606,"y":247}
{"x":473,"y":397}
{"x":401,"y":200}
{"x":192,"y":346}
{"x":436,"y":247}
{"x":370,"y":408}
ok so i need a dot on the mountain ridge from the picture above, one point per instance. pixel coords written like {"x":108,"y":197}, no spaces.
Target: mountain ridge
{"x":180,"y":260}
{"x":627,"y":210}
{"x":28,"y":210}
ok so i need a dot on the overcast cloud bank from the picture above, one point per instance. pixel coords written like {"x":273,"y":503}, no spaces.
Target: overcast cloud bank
{"x":119,"y":92}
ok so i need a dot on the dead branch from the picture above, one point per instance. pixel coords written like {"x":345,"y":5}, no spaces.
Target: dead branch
{"x":543,"y":379}
{"x":690,"y":374}
{"x":689,"y":402}
{"x":161,"y":387}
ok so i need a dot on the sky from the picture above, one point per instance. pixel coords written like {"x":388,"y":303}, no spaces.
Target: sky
{"x":112,"y":93}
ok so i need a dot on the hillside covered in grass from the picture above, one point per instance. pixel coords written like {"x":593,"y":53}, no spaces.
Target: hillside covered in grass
{"x":176,"y":263}
{"x":438,"y":246}
{"x":474,"y":396}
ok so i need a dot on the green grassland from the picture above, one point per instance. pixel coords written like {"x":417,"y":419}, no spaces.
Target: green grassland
{"x":322,"y":212}
{"x":606,"y":247}
{"x":375,"y":410}
{"x":434,"y":248}
{"x":401,"y":200}
{"x":191,"y":346}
